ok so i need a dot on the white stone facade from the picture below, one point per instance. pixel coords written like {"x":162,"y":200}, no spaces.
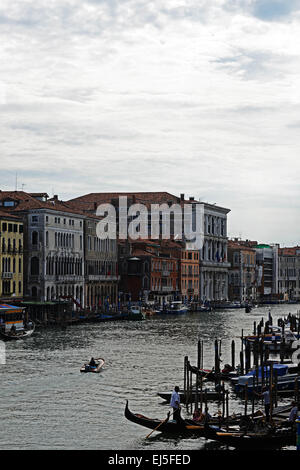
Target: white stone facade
{"x":55,"y":255}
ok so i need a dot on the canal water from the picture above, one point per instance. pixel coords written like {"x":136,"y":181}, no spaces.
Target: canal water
{"x":46,"y":403}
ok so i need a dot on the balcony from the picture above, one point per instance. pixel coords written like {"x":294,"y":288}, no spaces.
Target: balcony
{"x":167,"y":289}
{"x":215,"y":264}
{"x":7,"y":275}
{"x":102,"y":277}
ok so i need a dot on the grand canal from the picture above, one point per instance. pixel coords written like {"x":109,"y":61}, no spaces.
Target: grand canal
{"x":46,"y":403}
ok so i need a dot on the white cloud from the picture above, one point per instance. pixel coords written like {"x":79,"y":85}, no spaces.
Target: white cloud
{"x":200,"y":97}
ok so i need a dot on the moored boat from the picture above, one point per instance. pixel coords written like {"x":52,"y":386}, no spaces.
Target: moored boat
{"x":19,"y":334}
{"x":135,"y":313}
{"x":227,"y":305}
{"x":14,"y":323}
{"x":211,"y":375}
{"x":93,"y":368}
{"x":264,"y":438}
{"x":209,"y":394}
{"x":287,"y":378}
{"x":275,"y":340}
{"x":176,"y":308}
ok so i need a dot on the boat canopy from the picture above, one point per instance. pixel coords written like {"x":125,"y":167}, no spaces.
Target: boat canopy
{"x":6,"y":308}
{"x":280,"y":368}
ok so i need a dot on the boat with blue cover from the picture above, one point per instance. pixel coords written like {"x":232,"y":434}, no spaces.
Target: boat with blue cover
{"x":275,"y":339}
{"x":176,"y":308}
{"x":287,"y":377}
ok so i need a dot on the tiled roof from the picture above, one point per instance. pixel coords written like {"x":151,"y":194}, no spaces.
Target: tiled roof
{"x":90,"y":202}
{"x":7,"y":215}
{"x":25,"y":202}
{"x":289,"y":251}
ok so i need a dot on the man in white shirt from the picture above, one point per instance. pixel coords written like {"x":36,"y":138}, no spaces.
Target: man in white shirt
{"x":175,"y":403}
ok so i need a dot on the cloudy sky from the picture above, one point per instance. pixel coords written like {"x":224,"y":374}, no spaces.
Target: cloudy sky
{"x":200,"y":97}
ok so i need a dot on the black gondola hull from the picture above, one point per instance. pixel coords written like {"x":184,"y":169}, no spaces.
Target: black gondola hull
{"x":165,"y":426}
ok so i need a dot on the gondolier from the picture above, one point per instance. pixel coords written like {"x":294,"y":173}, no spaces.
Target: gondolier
{"x":175,"y":403}
{"x":267,"y":402}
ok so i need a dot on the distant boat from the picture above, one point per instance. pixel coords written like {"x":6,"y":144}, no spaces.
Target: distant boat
{"x":95,"y":369}
{"x":228,"y":305}
{"x":15,"y":323}
{"x":21,"y":333}
{"x":194,"y":307}
{"x":176,"y":308}
{"x":274,"y":340}
{"x":135,"y":313}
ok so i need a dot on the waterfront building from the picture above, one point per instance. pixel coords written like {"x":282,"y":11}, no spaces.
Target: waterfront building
{"x":267,"y":271}
{"x":149,"y":271}
{"x":242,"y":273}
{"x":213,"y":263}
{"x":53,"y":246}
{"x":189,"y":274}
{"x":289,"y":273}
{"x":101,"y":267}
{"x":11,"y":256}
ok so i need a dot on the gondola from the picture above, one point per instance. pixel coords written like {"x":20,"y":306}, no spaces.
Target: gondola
{"x":208,"y":394}
{"x":95,"y":369}
{"x":211,"y":375}
{"x":214,"y":428}
{"x":268,"y":438}
{"x":167,"y":425}
{"x":18,"y":334}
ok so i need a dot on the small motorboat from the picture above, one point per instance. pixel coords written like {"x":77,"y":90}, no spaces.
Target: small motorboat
{"x":20,"y":333}
{"x":96,"y":368}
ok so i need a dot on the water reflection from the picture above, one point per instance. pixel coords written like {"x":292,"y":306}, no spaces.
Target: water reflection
{"x":45,"y":402}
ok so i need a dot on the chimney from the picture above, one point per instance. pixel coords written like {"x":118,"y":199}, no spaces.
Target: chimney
{"x":182,"y":197}
{"x":192,"y":198}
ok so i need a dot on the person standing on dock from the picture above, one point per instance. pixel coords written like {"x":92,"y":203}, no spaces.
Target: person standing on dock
{"x":175,"y":403}
{"x":267,"y":402}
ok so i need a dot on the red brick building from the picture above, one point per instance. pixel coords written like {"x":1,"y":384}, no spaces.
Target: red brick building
{"x":149,"y":270}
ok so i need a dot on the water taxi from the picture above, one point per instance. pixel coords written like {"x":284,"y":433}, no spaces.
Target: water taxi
{"x":14,"y":323}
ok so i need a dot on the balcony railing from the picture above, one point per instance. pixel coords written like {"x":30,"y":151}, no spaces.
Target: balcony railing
{"x":7,"y":275}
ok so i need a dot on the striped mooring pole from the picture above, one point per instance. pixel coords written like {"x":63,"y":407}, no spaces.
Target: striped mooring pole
{"x":298,"y":433}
